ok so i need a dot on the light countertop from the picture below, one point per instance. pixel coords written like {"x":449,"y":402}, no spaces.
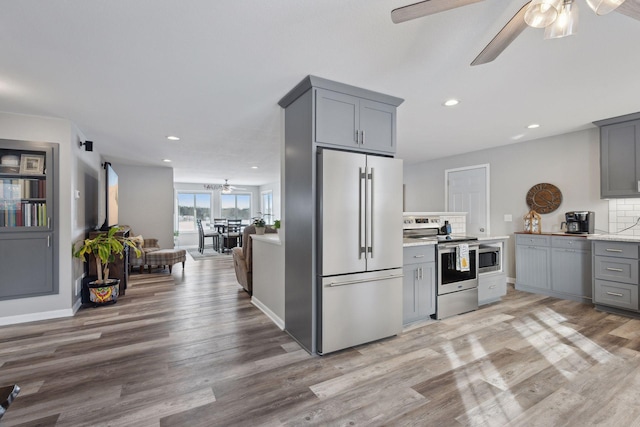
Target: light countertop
{"x":614,"y":237}
{"x":272,"y":238}
{"x":431,"y":241}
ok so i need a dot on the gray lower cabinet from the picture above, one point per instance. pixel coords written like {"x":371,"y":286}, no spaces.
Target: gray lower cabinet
{"x":620,"y":156}
{"x":491,"y":287}
{"x":28,"y":186}
{"x":558,"y":266}
{"x":26,"y":265}
{"x":616,"y":279}
{"x":533,"y":262}
{"x":571,"y":266}
{"x":418,"y":283}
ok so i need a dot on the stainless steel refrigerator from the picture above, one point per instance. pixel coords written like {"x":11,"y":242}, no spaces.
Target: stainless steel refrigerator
{"x":359,"y":248}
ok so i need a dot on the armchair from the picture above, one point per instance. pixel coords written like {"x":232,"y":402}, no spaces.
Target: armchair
{"x":243,"y":258}
{"x":145,"y":246}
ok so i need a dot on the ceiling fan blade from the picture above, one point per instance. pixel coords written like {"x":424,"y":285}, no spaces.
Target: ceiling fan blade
{"x":503,"y":39}
{"x":631,"y":8}
{"x":424,"y":8}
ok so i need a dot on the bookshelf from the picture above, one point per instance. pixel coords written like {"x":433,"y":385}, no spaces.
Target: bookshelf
{"x":28,"y":186}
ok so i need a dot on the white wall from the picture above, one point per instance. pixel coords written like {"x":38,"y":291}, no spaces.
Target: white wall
{"x":70,"y":227}
{"x":570,"y":161}
{"x":145,"y":201}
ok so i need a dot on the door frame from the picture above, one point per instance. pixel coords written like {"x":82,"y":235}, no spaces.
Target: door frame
{"x":487,"y":168}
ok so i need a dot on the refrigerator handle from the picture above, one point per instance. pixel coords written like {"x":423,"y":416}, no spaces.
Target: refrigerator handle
{"x":361,"y":212}
{"x":370,"y":191}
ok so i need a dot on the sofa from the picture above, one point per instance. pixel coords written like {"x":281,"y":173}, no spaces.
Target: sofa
{"x":243,"y":258}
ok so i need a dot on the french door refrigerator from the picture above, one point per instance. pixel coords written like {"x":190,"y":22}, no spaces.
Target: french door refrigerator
{"x":359,"y":248}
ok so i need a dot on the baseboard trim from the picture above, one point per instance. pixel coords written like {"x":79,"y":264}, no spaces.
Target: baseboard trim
{"x":511,"y":280}
{"x":270,"y":314}
{"x":34,"y":317}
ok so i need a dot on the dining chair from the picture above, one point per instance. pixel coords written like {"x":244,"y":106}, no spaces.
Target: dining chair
{"x":215,"y":237}
{"x":233,"y":234}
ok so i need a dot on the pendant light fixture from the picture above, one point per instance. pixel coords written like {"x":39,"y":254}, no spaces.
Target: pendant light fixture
{"x":541,"y":13}
{"x":566,"y":24}
{"x":602,"y":7}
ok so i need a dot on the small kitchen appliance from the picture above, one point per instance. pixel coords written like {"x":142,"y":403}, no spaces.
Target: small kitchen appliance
{"x":580,"y":222}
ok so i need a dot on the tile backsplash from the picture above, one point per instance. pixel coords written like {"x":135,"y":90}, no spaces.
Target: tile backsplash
{"x":624,"y":213}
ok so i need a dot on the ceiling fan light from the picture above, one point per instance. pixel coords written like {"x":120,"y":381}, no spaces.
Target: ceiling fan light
{"x":602,"y":7}
{"x":566,"y":24}
{"x":541,"y":13}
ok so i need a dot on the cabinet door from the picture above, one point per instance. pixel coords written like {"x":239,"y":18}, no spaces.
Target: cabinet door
{"x":418,"y":289}
{"x":427,"y":289}
{"x":571,"y":272}
{"x":26,"y":265}
{"x":620,"y":159}
{"x":337,"y":119}
{"x":410,"y":284}
{"x":532,"y":266}
{"x":491,"y":287}
{"x":377,"y":124}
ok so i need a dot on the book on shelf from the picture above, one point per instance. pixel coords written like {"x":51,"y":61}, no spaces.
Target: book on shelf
{"x":23,"y":214}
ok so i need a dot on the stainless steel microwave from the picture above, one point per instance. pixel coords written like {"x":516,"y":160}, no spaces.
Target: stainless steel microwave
{"x":488,"y":259}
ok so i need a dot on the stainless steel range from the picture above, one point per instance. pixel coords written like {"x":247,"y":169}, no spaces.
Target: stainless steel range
{"x":457,"y":290}
{"x":457,"y":285}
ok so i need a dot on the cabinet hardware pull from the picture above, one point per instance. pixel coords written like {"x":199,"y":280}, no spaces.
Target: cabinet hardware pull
{"x":48,"y":222}
{"x":639,"y":186}
{"x":615,"y":294}
{"x":357,"y":137}
{"x":418,"y":256}
{"x":492,"y":287}
{"x":614,"y":269}
{"x":613,"y":250}
{"x":353,"y":282}
{"x":363,"y":144}
{"x":48,"y":241}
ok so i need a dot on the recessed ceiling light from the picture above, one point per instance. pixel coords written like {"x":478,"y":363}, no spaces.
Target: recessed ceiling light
{"x":173,"y":138}
{"x":166,"y":160}
{"x":254,"y":167}
{"x":517,"y":137}
{"x":533,"y":126}
{"x":451,"y":102}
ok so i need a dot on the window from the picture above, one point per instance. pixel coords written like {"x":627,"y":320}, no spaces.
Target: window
{"x":266,"y":206}
{"x":236,"y":206}
{"x":193,"y":206}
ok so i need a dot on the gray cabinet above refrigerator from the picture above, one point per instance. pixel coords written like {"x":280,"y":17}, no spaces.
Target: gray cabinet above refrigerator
{"x":302,"y":213}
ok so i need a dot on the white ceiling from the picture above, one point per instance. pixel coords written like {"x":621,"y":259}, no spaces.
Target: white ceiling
{"x":131,"y":72}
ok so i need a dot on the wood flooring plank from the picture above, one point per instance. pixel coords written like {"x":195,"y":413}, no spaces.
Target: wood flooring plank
{"x":189,"y":349}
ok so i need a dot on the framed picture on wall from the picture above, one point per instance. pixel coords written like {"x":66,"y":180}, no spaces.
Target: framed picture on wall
{"x":31,"y":164}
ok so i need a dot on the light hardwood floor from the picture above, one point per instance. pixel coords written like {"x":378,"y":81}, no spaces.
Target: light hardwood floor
{"x":189,"y":349}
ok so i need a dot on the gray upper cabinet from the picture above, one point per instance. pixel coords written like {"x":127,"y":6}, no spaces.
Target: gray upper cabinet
{"x":353,"y":122}
{"x":28,"y":225}
{"x":349,"y":117}
{"x":620,"y":156}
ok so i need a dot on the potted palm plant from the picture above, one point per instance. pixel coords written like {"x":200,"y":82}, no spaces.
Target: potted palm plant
{"x":104,"y":248}
{"x":260,"y":225}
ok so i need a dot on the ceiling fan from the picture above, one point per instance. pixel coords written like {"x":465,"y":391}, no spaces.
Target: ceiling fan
{"x":226,"y":188}
{"x":558,"y":17}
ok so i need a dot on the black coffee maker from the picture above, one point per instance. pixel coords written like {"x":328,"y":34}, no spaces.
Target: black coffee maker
{"x":580,"y":222}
